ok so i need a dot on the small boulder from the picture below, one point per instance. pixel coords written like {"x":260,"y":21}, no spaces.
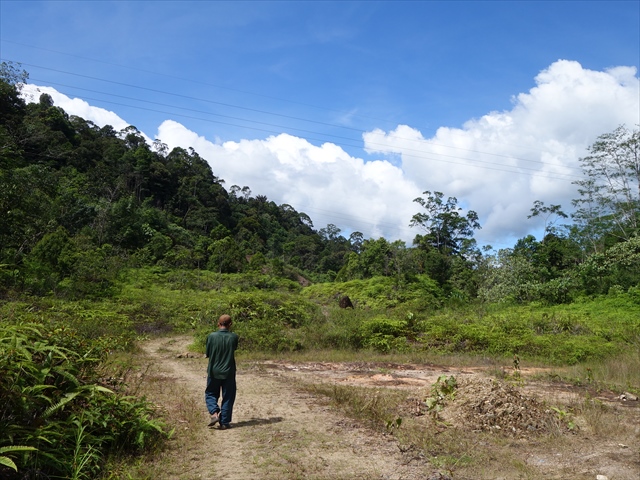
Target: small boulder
{"x":345,"y":302}
{"x":626,"y":397}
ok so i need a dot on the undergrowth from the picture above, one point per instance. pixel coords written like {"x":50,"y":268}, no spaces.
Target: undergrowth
{"x":52,"y":399}
{"x":55,"y":402}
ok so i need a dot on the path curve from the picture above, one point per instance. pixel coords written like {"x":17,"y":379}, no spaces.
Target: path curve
{"x":279,"y":432}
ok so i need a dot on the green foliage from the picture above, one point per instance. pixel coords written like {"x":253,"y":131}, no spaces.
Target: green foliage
{"x":54,"y":407}
{"x":442,"y":390}
{"x":264,"y":320}
{"x":380,"y":292}
{"x":566,"y":334}
{"x":384,"y":334}
{"x":337,"y":329}
{"x":618,"y":266}
{"x":78,"y":202}
{"x":6,"y":461}
{"x":531,"y":271}
{"x":446,"y":228}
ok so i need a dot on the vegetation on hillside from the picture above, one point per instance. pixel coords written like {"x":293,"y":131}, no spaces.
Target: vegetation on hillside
{"x":105,"y":239}
{"x":80,"y":202}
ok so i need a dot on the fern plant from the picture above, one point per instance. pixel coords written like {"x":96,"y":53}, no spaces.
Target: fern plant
{"x":6,"y":461}
{"x":56,"y":412}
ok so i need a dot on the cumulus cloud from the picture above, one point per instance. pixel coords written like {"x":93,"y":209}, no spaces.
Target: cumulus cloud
{"x":323,"y":181}
{"x":77,"y":107}
{"x":497,"y":165}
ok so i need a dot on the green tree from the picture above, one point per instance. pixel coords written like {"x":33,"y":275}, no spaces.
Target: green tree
{"x":225,"y":256}
{"x":618,"y":266}
{"x":550,"y":214}
{"x":609,"y":202}
{"x":508,"y":277}
{"x":447,"y":247}
{"x":13,"y":74}
{"x":375,"y":259}
{"x":356,"y":239}
{"x":446,"y":228}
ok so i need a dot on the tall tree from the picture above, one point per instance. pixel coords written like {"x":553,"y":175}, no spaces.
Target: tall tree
{"x":550,"y":214}
{"x":610,"y":192}
{"x":446,"y":228}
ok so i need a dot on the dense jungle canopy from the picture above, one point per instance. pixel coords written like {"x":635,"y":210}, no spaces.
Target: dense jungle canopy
{"x":79,"y":203}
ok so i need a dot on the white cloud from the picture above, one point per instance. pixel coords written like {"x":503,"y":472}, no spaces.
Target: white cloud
{"x":76,"y":106}
{"x":324,"y":181}
{"x":499,"y":164}
{"x":496,"y":165}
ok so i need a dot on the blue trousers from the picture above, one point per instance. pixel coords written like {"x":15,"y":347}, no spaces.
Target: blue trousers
{"x":215,"y":387}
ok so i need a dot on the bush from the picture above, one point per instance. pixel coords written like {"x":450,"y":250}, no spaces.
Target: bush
{"x":52,"y":401}
{"x":422,"y":293}
{"x":264,"y":321}
{"x":384,"y":334}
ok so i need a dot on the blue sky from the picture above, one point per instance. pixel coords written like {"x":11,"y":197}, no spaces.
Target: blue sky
{"x":349,"y":110}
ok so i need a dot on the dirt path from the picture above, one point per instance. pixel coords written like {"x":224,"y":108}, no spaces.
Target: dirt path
{"x":278,"y":432}
{"x":281,"y":432}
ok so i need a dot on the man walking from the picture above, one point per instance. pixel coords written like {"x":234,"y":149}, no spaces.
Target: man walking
{"x":221,"y":373}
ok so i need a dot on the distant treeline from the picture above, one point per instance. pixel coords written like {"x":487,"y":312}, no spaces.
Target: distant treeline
{"x":78,"y":203}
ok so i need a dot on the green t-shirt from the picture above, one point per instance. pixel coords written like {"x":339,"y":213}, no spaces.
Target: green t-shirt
{"x":220,"y":349}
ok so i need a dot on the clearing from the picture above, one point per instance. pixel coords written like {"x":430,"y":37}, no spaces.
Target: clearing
{"x":281,"y":431}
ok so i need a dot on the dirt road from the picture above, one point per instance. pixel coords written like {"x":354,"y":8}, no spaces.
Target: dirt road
{"x":278,"y":431}
{"x":281,"y":432}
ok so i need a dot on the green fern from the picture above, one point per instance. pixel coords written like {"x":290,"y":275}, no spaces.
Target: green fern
{"x":6,"y":461}
{"x":68,"y":397}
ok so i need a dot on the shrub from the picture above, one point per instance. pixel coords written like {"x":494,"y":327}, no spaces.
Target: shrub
{"x":421,"y":293}
{"x":52,"y":401}
{"x":384,"y":334}
{"x":264,"y":321}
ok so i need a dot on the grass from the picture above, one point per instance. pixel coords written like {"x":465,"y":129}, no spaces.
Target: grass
{"x":481,"y":455}
{"x":594,"y":343}
{"x":619,"y":373}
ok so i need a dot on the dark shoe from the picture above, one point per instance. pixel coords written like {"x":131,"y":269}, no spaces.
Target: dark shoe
{"x":224,"y":426}
{"x":215,"y":418}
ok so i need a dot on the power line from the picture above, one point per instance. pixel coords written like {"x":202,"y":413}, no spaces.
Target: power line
{"x":418,"y":153}
{"x":246,"y":92}
{"x":424,"y":141}
{"x":184,"y":79}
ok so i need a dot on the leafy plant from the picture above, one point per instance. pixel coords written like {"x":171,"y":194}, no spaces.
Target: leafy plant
{"x":53,"y":402}
{"x":6,"y":461}
{"x":565,"y":417}
{"x":442,"y":390}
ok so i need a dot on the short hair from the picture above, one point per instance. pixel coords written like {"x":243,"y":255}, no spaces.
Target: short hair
{"x":224,"y":320}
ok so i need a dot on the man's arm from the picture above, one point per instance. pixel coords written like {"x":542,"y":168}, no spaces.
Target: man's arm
{"x":206,"y":348}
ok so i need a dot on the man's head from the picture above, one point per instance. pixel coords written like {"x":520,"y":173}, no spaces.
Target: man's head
{"x":224,"y":321}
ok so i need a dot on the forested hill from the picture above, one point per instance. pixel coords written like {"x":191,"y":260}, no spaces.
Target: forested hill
{"x":78,"y":203}
{"x":78,"y":196}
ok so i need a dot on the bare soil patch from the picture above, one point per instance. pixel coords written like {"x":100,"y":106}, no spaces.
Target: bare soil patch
{"x":282,"y":431}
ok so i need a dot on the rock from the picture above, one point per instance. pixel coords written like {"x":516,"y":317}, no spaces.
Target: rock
{"x":602,"y":477}
{"x":626,"y":396}
{"x":345,"y":302}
